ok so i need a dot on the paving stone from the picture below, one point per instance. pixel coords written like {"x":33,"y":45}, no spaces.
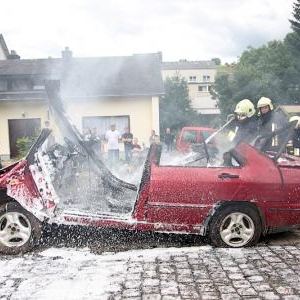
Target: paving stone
{"x":169,"y":290}
{"x":150,"y":290}
{"x":283,"y":290}
{"x":189,"y":294}
{"x":150,"y":282}
{"x":210,"y":296}
{"x":130,"y":284}
{"x":167,"y":277}
{"x":255,"y":278}
{"x":151,"y":297}
{"x":261,"y":287}
{"x":236,"y":276}
{"x":226,"y":289}
{"x":263,"y":272}
{"x":184,"y":278}
{"x":149,"y":274}
{"x":168,"y":297}
{"x":241,"y":284}
{"x":269,"y":295}
{"x":247,"y":292}
{"x":230,"y":297}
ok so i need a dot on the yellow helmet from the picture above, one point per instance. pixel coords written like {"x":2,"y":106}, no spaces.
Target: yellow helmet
{"x":244,"y":109}
{"x":264,"y":101}
{"x":295,"y":118}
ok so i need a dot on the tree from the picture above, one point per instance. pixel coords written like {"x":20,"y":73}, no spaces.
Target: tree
{"x":272,"y":71}
{"x":217,"y":61}
{"x":175,"y":107}
{"x":24,"y":144}
{"x":296,"y":14}
{"x":292,"y":73}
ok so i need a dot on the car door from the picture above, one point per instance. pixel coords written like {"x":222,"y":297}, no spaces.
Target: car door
{"x":290,"y":171}
{"x":265,"y":185}
{"x":185,"y":195}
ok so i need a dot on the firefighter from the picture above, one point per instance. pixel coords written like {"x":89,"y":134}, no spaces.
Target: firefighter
{"x":244,"y":127}
{"x":293,"y":146}
{"x":269,"y":121}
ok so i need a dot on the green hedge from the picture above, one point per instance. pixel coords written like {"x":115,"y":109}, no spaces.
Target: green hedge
{"x":24,"y":144}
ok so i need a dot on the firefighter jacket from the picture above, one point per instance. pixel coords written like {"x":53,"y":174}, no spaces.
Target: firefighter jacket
{"x":268,"y":123}
{"x":244,"y":130}
{"x":293,"y":146}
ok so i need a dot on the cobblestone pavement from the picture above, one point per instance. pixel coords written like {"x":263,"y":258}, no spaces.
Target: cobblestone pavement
{"x":269,"y":271}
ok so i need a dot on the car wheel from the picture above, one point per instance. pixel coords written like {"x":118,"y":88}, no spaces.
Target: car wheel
{"x":19,"y":229}
{"x":235,"y":226}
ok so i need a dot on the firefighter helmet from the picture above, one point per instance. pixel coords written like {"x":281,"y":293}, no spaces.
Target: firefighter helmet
{"x":295,"y":118}
{"x":244,"y":109}
{"x":264,"y":101}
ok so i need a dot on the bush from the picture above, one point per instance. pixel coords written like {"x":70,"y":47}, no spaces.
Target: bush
{"x":24,"y":144}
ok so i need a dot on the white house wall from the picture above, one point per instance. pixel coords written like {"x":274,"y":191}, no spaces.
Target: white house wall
{"x":18,"y":110}
{"x":143,"y":113}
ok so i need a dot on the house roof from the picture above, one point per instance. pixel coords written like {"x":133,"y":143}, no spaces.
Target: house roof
{"x":185,"y":64}
{"x":28,"y":67}
{"x":135,"y":75}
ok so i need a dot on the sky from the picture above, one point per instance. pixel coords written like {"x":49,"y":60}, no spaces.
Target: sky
{"x":180,"y":29}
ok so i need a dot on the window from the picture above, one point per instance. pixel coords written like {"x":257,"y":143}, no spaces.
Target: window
{"x":102,"y":124}
{"x":38,"y":83}
{"x":39,"y":87}
{"x":190,"y":136}
{"x":192,"y":79}
{"x":21,"y":85}
{"x":206,"y":78}
{"x":204,"y":88}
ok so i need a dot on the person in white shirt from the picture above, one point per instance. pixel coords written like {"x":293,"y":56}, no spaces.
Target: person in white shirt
{"x":113,"y":137}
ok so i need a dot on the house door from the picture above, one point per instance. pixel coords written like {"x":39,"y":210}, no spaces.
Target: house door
{"x":18,"y":128}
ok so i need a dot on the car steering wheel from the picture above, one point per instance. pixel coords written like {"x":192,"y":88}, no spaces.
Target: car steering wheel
{"x":73,"y":147}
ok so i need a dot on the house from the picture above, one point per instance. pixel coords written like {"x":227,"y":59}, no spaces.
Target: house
{"x":200,"y":75}
{"x":4,"y":53}
{"x":290,"y":110}
{"x":96,"y":92}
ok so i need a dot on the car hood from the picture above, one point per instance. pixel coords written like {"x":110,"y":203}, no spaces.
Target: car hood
{"x":68,"y":129}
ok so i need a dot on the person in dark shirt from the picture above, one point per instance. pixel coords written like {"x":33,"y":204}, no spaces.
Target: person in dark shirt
{"x":168,"y":139}
{"x":294,"y":145}
{"x":227,"y":160}
{"x":127,"y":137}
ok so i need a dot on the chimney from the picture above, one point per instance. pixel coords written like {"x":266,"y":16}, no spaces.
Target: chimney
{"x":13,"y":55}
{"x":66,"y":54}
{"x":159,"y":53}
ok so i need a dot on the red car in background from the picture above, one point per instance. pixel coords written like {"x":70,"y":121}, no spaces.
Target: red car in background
{"x":232,"y":203}
{"x":192,"y":135}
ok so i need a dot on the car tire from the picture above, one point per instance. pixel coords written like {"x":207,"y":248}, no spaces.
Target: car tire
{"x":236,"y":225}
{"x":19,"y":229}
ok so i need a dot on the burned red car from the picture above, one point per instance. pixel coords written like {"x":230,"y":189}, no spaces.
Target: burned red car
{"x":233,"y":205}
